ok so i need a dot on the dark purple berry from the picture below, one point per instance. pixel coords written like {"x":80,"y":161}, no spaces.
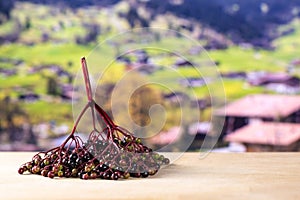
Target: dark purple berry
{"x":51,"y":174}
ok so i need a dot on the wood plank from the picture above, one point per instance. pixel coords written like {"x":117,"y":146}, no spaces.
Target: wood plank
{"x":216,"y":176}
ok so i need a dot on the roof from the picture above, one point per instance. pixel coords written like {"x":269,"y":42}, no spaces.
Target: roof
{"x":167,"y":137}
{"x":262,"y":105}
{"x":268,"y":133}
{"x":266,"y":78}
{"x":200,"y":128}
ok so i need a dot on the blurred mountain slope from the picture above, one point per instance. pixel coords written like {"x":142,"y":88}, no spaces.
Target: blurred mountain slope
{"x":252,"y":21}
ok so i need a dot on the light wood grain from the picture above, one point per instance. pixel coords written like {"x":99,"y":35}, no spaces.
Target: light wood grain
{"x":217,"y":176}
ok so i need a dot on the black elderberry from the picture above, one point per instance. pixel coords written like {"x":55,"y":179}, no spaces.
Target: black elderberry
{"x":44,"y":173}
{"x":103,"y":167}
{"x":107,"y":175}
{"x":72,"y":164}
{"x":21,"y":170}
{"x":51,"y":174}
{"x":86,"y":157}
{"x":166,"y":161}
{"x":81,"y":174}
{"x":144,"y":174}
{"x":136,"y":175}
{"x":123,"y":143}
{"x":85,"y":176}
{"x":114,"y":176}
{"x":93,"y":175}
{"x":73,"y":156}
{"x":78,"y":161}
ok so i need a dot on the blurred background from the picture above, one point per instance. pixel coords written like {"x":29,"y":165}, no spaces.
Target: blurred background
{"x":254,"y":44}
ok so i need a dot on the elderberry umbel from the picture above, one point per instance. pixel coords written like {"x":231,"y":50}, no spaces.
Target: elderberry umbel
{"x":111,"y":153}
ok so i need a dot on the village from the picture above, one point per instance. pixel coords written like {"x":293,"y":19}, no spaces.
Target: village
{"x":256,"y":122}
{"x":260,"y":75}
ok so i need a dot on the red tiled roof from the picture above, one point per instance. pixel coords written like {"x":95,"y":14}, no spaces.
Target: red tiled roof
{"x":262,"y":105}
{"x":167,"y":137}
{"x":269,"y":133}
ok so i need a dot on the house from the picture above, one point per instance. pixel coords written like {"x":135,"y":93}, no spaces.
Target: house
{"x":167,"y":139}
{"x":142,"y":68}
{"x":182,"y":63}
{"x":205,"y":136}
{"x":200,"y":131}
{"x":295,"y":62}
{"x":201,"y":103}
{"x":199,"y":128}
{"x":263,"y":79}
{"x":195,"y":50}
{"x":30,"y":97}
{"x":282,"y":108}
{"x":8,"y":72}
{"x":214,"y":44}
{"x":234,"y":75}
{"x":141,"y":56}
{"x":176,"y":98}
{"x":268,"y":136}
{"x":278,"y":82}
{"x":193,"y":82}
{"x":282,"y":88}
{"x":124,"y":59}
{"x":68,"y":92}
{"x":147,"y":68}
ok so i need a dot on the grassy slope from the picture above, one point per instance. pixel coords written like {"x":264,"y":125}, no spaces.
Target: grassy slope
{"x":238,"y":59}
{"x":65,"y":51}
{"x":288,"y":47}
{"x":45,"y":53}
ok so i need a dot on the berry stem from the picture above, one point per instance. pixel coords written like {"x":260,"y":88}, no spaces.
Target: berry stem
{"x":104,"y":116}
{"x":86,"y":79}
{"x":76,"y":124}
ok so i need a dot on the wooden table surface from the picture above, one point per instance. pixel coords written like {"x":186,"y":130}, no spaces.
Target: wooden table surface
{"x":216,"y":176}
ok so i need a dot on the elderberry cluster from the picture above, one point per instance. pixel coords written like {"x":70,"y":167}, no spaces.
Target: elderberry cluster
{"x":98,"y":159}
{"x":112,"y":153}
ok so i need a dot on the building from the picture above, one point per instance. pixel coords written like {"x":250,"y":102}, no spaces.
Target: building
{"x":234,"y":75}
{"x":260,"y":107}
{"x":201,"y":131}
{"x":264,"y":78}
{"x":268,"y":136}
{"x":278,"y":82}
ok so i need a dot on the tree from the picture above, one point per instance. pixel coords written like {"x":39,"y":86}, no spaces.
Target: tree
{"x":27,"y":23}
{"x":133,"y":18}
{"x":12,"y":116}
{"x":5,"y":8}
{"x":140,"y":103}
{"x":52,"y":86}
{"x":93,"y":30}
